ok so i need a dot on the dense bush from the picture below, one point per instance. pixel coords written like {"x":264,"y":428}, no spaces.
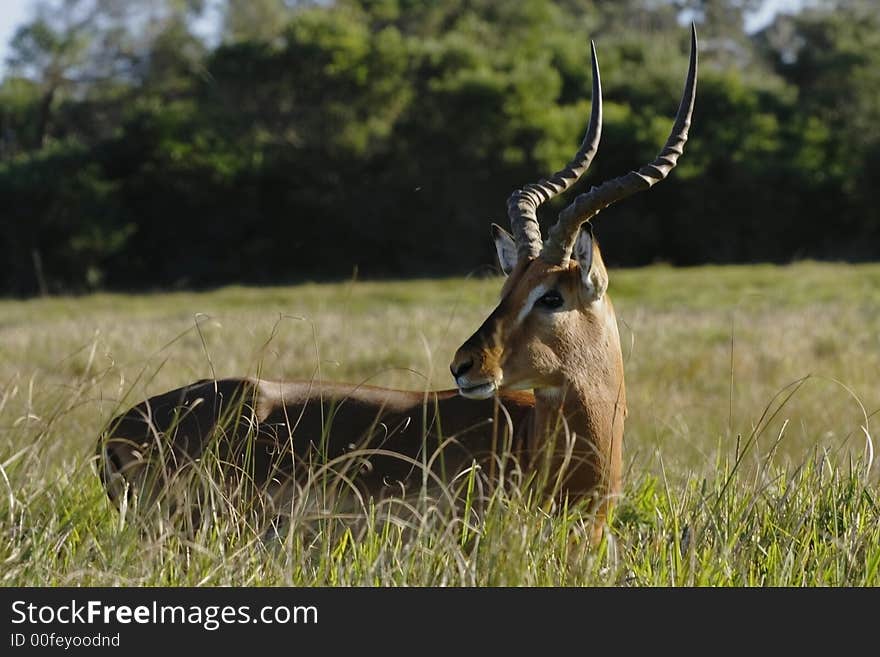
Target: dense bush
{"x":385,"y":135}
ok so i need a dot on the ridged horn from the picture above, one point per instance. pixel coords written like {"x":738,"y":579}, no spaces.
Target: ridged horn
{"x":563,"y":234}
{"x":523,"y":203}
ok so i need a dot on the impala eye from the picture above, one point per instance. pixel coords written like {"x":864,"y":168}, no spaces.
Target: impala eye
{"x":550,"y":301}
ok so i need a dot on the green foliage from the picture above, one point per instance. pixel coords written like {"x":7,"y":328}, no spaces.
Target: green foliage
{"x":384,"y":135}
{"x":254,"y":20}
{"x":19,"y":99}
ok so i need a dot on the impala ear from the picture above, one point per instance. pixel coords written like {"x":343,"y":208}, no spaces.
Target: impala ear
{"x":593,"y":274}
{"x":506,"y":248}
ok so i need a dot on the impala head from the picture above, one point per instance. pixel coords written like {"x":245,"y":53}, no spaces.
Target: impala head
{"x":553,"y":311}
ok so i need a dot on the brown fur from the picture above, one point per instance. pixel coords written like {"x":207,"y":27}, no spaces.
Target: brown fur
{"x":273,"y":433}
{"x":573,"y":362}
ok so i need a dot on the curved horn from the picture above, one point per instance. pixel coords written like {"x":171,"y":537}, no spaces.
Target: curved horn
{"x":564,"y":233}
{"x":523,"y":203}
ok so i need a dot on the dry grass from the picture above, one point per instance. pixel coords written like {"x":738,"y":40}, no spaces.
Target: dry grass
{"x":730,"y":481}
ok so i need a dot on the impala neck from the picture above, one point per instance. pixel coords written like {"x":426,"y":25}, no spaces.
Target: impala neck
{"x":591,"y":400}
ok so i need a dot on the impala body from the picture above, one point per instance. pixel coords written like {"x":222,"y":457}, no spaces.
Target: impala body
{"x":539,"y":385}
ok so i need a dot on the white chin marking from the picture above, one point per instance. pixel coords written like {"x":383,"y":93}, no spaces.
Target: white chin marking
{"x":478,"y":392}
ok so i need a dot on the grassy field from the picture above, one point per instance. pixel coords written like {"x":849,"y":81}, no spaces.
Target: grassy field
{"x":753,"y":394}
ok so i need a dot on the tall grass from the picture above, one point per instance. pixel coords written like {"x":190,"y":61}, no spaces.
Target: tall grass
{"x":748,"y":450}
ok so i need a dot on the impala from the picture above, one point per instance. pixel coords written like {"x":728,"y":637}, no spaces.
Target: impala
{"x":540,"y":380}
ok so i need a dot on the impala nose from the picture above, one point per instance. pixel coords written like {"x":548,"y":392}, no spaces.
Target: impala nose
{"x":459,"y":369}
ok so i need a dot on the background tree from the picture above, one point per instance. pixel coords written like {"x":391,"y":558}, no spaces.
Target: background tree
{"x":254,"y":20}
{"x":50,"y":50}
{"x":310,"y":138}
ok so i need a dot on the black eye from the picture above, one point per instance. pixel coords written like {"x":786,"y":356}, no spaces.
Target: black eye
{"x":550,"y":301}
